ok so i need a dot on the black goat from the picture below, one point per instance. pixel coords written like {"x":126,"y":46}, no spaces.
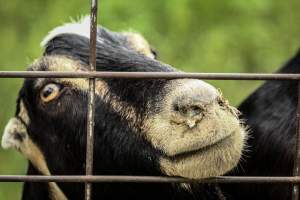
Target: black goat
{"x":270,"y":113}
{"x":142,"y":127}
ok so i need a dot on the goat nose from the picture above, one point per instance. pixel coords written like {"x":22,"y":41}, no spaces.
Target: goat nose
{"x":190,"y":101}
{"x":193,"y":102}
{"x":190,"y":108}
{"x":188,"y":112}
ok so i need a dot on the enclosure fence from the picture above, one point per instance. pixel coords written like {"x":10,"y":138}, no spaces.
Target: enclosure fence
{"x":89,"y":178}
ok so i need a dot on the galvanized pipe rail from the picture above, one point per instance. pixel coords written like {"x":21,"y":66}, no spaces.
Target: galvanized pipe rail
{"x":150,"y":179}
{"x":148,"y":75}
{"x":91,"y":100}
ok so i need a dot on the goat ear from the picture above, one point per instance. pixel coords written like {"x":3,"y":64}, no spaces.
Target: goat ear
{"x":138,"y":43}
{"x":14,"y":134}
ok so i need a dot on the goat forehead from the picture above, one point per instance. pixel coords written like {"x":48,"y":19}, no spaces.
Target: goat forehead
{"x":64,"y":64}
{"x":68,"y":64}
{"x":57,"y":63}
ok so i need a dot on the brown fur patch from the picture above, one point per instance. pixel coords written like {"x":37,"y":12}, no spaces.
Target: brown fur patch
{"x":32,"y":152}
{"x":65,"y":64}
{"x":23,"y":114}
{"x":139,"y":43}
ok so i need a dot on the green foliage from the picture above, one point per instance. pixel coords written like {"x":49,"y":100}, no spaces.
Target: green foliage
{"x":195,"y":36}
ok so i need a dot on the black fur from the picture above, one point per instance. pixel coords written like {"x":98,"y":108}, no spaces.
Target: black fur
{"x":119,"y":147}
{"x":38,"y":190}
{"x":270,"y":112}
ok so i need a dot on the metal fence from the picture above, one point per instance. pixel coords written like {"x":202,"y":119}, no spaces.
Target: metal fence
{"x":88,"y":179}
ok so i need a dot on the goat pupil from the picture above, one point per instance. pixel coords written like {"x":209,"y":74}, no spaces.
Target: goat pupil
{"x":47,"y":92}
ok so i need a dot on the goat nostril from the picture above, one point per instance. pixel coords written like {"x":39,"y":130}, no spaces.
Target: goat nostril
{"x":183,"y":110}
{"x":176,"y":107}
{"x":196,"y":110}
{"x":188,"y":110}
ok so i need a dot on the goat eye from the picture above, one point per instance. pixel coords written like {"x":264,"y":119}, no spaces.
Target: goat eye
{"x":50,"y":92}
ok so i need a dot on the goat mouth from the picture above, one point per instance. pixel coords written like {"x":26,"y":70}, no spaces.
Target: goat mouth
{"x":192,"y":141}
{"x":211,"y":160}
{"x":202,"y":149}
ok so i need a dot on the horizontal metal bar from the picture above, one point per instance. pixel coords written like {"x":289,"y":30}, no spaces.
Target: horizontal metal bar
{"x":148,"y":179}
{"x":148,"y":75}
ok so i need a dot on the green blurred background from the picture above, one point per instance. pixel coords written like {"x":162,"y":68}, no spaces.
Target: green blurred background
{"x":192,"y":35}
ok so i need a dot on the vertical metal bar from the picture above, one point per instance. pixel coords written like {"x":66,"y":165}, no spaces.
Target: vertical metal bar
{"x":91,"y":100}
{"x":296,"y":170}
